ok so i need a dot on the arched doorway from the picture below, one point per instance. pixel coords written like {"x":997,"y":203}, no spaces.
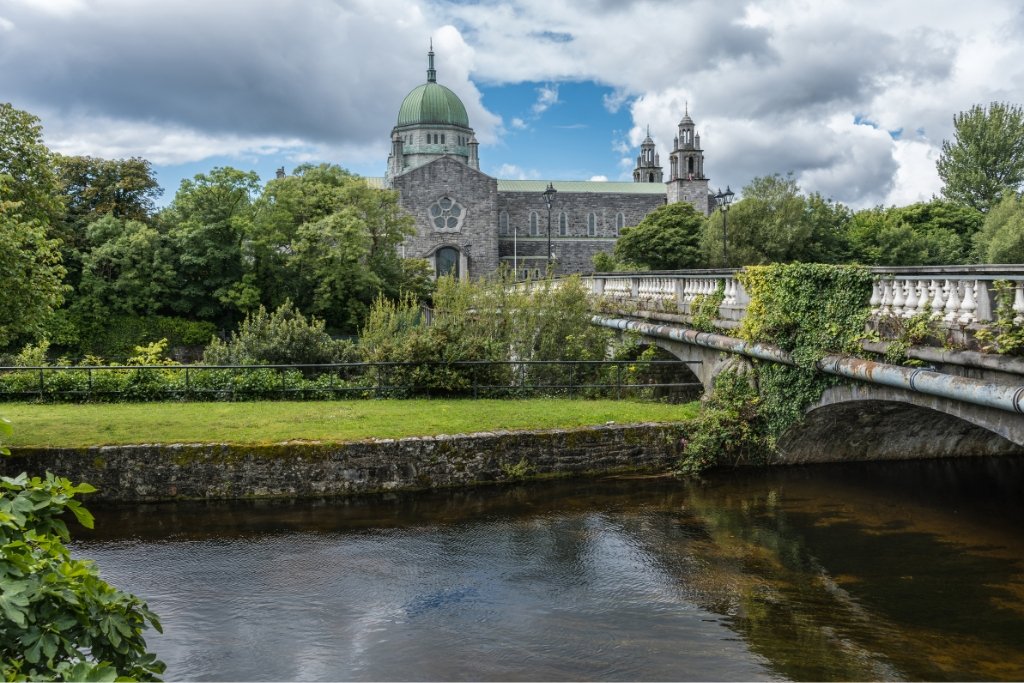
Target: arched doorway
{"x":446,"y":261}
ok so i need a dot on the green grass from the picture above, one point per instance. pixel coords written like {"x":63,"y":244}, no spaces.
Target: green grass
{"x":260,"y":422}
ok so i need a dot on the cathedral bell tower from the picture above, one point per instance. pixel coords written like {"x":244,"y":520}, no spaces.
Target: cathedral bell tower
{"x":648,"y":164}
{"x":687,"y":182}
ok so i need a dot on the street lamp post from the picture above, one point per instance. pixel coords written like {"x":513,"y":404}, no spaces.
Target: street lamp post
{"x":724,"y":199}
{"x":549,"y":200}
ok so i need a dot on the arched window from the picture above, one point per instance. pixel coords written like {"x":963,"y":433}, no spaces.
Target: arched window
{"x":563,"y":224}
{"x":534,"y":224}
{"x":442,"y":138}
{"x":591,"y":225}
{"x":650,"y":178}
{"x":446,"y":261}
{"x":689,"y":165}
{"x":503,"y":223}
{"x":620,"y":222}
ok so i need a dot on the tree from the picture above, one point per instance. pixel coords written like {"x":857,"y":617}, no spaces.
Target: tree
{"x":901,"y":237}
{"x":1001,"y":238}
{"x":770,"y":224}
{"x":327,"y":240}
{"x":28,"y":164}
{"x":128,"y":270}
{"x":986,"y":158}
{"x":668,"y":238}
{"x":209,"y":224}
{"x":31,"y":274}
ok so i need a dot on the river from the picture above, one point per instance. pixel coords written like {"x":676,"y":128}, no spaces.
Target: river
{"x":899,"y":570}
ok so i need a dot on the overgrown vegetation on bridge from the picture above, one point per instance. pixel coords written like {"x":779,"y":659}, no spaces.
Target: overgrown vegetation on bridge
{"x":810,"y":310}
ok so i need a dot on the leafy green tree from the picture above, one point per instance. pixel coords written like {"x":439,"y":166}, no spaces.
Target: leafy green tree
{"x":58,"y":619}
{"x":28,"y":165}
{"x":328,"y":241}
{"x":31,"y":274}
{"x":986,"y":158}
{"x":129,"y":270}
{"x":776,"y":223}
{"x":909,"y":236}
{"x":1001,"y":238}
{"x":92,"y":188}
{"x":668,"y":238}
{"x":209,"y":224}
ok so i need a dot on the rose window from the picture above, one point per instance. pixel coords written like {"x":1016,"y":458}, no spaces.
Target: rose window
{"x":447,"y":214}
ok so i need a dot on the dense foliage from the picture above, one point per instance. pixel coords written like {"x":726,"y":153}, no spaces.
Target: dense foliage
{"x":668,"y":238}
{"x":985,"y":161}
{"x":58,"y":619}
{"x":279,"y":338}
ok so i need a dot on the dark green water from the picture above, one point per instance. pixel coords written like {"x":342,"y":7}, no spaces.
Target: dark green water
{"x":876,"y":571}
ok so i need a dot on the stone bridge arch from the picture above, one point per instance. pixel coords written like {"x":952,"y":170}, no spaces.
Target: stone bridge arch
{"x":703,"y":362}
{"x":861,"y":422}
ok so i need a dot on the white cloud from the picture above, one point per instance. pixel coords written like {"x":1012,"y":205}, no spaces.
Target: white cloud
{"x":599,"y":179}
{"x":547,"y":96}
{"x":513,"y":172}
{"x":774,"y":86}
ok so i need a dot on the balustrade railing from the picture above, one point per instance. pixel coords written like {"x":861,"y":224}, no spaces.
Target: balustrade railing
{"x":959,"y":296}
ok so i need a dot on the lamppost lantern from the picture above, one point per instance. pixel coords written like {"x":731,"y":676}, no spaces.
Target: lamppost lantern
{"x":549,"y":200}
{"x":724,"y":199}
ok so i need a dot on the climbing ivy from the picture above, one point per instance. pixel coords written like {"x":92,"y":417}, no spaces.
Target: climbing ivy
{"x":704,"y":309}
{"x":810,"y":310}
{"x":1004,"y":335}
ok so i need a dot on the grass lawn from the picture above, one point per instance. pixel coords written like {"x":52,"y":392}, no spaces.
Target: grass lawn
{"x":64,"y":425}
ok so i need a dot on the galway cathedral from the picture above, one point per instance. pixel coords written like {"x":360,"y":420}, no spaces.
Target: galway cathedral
{"x":469,"y":224}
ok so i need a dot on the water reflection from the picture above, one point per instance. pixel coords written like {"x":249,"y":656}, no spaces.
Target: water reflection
{"x":882,"y":571}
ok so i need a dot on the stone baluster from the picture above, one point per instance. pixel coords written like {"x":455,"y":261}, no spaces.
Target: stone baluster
{"x":969,"y":305}
{"x":910,"y":306}
{"x":952,"y":307}
{"x":899,"y":298}
{"x":924,"y":296}
{"x":730,"y":292}
{"x":876,"y":297}
{"x":886,"y":298}
{"x":938,"y":299}
{"x":1018,"y":303}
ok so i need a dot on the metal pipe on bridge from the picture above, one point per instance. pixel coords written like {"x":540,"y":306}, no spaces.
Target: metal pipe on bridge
{"x":1000,"y":396}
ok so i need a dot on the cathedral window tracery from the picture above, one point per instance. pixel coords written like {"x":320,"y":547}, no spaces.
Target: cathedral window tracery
{"x":534,"y":224}
{"x":447,"y":214}
{"x":591,"y":225}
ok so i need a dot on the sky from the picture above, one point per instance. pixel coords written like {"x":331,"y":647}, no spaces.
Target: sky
{"x":854,"y":98}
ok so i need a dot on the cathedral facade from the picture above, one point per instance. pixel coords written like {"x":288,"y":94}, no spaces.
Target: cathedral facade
{"x":469,"y":223}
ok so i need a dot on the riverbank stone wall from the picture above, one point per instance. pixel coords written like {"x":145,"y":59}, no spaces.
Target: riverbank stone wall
{"x":304,"y":469}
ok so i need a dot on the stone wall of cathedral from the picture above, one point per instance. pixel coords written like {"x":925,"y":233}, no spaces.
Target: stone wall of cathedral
{"x":472,"y":230}
{"x":582,"y":224}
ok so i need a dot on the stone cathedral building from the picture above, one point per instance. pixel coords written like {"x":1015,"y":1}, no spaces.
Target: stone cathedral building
{"x":470,"y":223}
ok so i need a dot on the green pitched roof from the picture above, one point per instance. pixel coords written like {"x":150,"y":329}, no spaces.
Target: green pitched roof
{"x":560,"y":186}
{"x":581,"y":186}
{"x":432,"y":103}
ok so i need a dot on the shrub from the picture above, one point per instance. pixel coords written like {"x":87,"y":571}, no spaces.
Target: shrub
{"x":58,"y":619}
{"x":279,"y":338}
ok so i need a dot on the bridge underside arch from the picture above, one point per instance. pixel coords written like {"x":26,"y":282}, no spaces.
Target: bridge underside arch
{"x":880,"y":423}
{"x":705,"y":363}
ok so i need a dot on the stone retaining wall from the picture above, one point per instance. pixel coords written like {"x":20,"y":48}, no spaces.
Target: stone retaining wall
{"x":300,"y":469}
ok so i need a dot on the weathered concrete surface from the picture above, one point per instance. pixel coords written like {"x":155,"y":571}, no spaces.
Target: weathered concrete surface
{"x":181,"y":471}
{"x":860,"y":422}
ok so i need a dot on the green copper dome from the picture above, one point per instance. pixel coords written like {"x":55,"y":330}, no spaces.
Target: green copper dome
{"x":432,"y":102}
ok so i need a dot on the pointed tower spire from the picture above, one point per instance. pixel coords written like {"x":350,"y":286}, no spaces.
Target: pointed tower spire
{"x":431,"y":72}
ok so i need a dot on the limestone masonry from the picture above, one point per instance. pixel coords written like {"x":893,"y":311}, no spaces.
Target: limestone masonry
{"x":468,"y":223}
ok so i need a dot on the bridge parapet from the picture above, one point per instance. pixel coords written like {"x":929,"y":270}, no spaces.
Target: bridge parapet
{"x":958,"y":296}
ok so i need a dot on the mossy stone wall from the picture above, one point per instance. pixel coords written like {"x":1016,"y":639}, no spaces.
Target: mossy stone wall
{"x":191,"y":471}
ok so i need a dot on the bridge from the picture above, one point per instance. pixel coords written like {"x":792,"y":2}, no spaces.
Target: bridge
{"x":958,"y":401}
